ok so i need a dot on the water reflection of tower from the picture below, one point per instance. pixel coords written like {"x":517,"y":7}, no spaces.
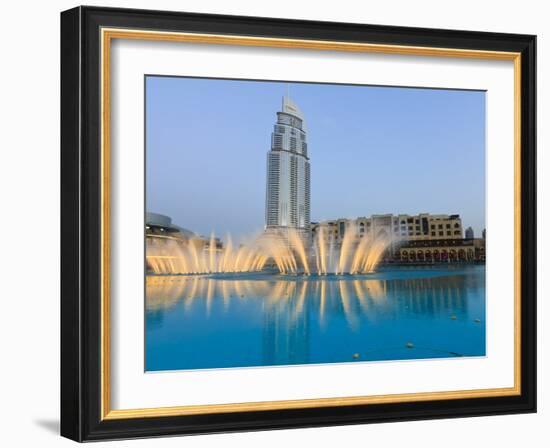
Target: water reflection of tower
{"x":286,"y":328}
{"x":288,"y":174}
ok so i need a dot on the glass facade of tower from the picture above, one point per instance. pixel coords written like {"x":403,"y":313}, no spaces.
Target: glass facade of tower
{"x":288,"y":172}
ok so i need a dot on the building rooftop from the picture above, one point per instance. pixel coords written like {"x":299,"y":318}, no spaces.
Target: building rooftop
{"x":291,"y":108}
{"x":158,"y":220}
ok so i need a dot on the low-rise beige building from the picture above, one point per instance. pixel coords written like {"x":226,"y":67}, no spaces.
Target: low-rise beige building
{"x":411,"y":238}
{"x":465,"y":249}
{"x":423,"y":226}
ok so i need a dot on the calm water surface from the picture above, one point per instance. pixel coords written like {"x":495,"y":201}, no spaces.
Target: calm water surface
{"x":199,"y":322}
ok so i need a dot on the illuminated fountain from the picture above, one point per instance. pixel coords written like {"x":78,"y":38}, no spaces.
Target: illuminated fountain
{"x":356,"y":255}
{"x":172,"y":256}
{"x":288,"y":253}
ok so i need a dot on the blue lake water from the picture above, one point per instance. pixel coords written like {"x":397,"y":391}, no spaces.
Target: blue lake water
{"x":220,"y":321}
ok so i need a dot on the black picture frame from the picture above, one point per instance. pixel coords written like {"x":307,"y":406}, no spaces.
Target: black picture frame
{"x":81,"y":224}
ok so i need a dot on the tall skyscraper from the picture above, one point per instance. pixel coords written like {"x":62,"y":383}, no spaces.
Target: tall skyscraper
{"x":288,"y":173}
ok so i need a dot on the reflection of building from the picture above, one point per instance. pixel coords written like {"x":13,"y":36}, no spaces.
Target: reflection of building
{"x":288,"y":173}
{"x":286,"y":334}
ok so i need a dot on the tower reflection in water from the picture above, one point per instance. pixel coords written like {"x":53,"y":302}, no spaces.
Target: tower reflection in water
{"x":217,"y":321}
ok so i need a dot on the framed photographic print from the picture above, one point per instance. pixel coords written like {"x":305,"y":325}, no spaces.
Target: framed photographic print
{"x":273,"y":223}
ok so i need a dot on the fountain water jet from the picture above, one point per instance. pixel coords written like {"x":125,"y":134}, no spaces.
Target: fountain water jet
{"x":288,"y":251}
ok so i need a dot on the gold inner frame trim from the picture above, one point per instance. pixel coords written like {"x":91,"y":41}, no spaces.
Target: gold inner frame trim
{"x":107,"y":35}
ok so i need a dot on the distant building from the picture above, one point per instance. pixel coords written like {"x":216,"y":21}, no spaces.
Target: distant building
{"x":469,"y":233}
{"x":159,"y":229}
{"x":449,"y":250}
{"x":157,"y":225}
{"x":411,"y":238}
{"x":423,"y":226}
{"x":288,"y":173}
{"x":483,"y":234}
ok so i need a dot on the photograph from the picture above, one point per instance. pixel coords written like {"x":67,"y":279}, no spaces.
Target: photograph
{"x":294,"y":223}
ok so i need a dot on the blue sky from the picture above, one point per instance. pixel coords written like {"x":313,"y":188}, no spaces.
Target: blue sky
{"x":372,"y":150}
